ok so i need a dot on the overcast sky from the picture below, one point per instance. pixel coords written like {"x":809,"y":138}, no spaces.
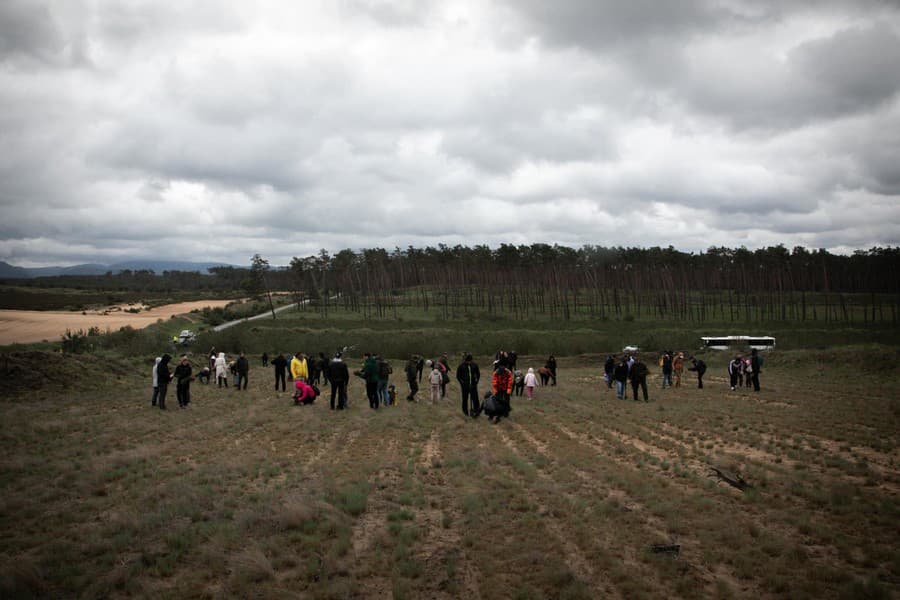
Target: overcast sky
{"x":202,"y":131}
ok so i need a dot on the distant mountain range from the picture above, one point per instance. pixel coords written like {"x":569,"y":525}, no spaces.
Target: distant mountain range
{"x":8,"y":271}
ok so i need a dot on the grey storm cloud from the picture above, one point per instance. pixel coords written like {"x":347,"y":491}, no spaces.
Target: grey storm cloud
{"x":212,"y":131}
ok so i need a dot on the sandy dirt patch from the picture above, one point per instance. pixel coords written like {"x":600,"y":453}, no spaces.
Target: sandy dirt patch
{"x":27,"y":326}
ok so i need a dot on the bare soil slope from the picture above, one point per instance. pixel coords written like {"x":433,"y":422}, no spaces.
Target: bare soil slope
{"x":27,"y":326}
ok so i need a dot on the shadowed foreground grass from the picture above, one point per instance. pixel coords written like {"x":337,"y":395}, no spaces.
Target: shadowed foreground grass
{"x":246,"y":495}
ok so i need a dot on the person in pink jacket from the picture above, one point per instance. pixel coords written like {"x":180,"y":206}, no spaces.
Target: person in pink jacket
{"x":305,"y":394}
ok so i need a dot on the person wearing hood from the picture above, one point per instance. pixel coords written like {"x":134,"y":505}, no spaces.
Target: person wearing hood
{"x":221,"y":366}
{"x":183,"y":377}
{"x":163,"y":377}
{"x":338,"y":375}
{"x":155,"y":395}
{"x":531,"y":382}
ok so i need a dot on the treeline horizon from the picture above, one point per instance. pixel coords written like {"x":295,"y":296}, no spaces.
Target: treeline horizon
{"x":730,"y":284}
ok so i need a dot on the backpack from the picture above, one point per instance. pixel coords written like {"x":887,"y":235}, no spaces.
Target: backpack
{"x":490,"y":405}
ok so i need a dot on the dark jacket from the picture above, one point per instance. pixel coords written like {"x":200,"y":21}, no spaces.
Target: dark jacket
{"x":754,"y":364}
{"x":280,"y":363}
{"x":183,"y":373}
{"x":370,"y":370}
{"x":338,"y":372}
{"x":163,"y":375}
{"x":699,"y":366}
{"x":639,"y":371}
{"x":384,"y":370}
{"x":468,"y":375}
{"x":621,"y":372}
{"x":412,"y":369}
{"x":242,"y":366}
{"x":609,"y":366}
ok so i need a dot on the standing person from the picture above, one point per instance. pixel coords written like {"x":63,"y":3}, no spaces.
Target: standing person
{"x":412,"y":372}
{"x":518,"y":382}
{"x":338,"y":375}
{"x":530,"y":382}
{"x":265,"y":359}
{"x":163,"y":377}
{"x":212,"y":359}
{"x":748,"y":372}
{"x":639,"y":374}
{"x":370,"y":374}
{"x":700,"y":367}
{"x":155,"y":395}
{"x":620,"y":374}
{"x":678,"y":368}
{"x":468,"y":375}
{"x":756,"y":366}
{"x":443,"y":363}
{"x":183,"y":377}
{"x":512,"y":358}
{"x":501,"y":386}
{"x":322,"y":369}
{"x":608,"y":367}
{"x":384,"y":377}
{"x":734,"y":370}
{"x":666,"y":369}
{"x":420,"y":367}
{"x":242,"y":371}
{"x":299,"y":367}
{"x":436,"y":380}
{"x":280,"y":363}
{"x":551,"y":366}
{"x":221,"y":367}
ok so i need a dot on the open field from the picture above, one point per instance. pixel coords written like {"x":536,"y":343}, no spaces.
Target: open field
{"x":27,"y":326}
{"x":245,"y":495}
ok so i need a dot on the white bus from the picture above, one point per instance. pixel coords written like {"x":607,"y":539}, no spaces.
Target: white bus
{"x":759,"y":342}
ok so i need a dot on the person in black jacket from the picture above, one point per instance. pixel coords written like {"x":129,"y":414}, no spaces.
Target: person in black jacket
{"x":700,"y":368}
{"x":280,"y":363}
{"x":468,"y":375}
{"x":163,"y":377}
{"x":638,"y":376}
{"x":551,"y":367}
{"x":620,"y":374}
{"x":338,"y":375}
{"x":242,"y":370}
{"x":609,"y":368}
{"x":756,"y":366}
{"x":183,"y":377}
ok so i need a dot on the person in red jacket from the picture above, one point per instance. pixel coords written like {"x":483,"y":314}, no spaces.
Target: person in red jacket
{"x":501,"y":386}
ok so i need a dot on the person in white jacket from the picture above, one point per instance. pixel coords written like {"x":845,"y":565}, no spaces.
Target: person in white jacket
{"x":436,"y":380}
{"x":531,"y":382}
{"x":155,"y":395}
{"x":221,"y":370}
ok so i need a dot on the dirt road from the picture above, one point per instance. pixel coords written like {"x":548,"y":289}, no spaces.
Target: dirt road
{"x":26,"y":326}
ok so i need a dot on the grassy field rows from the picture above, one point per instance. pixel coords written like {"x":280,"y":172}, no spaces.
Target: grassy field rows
{"x":245,"y":494}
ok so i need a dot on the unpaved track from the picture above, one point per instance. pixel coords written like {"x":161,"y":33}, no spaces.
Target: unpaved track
{"x":27,"y":326}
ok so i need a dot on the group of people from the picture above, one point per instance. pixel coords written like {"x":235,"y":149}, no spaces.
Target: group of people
{"x":307,"y":372}
{"x":744,"y":370}
{"x":630,"y":368}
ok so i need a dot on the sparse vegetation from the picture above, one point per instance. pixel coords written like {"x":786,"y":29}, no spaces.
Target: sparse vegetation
{"x":245,"y":494}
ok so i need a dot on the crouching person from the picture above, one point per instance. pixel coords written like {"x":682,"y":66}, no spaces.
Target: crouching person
{"x":305,"y":393}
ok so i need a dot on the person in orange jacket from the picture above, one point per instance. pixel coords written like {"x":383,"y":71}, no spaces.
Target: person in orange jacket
{"x":501,"y":386}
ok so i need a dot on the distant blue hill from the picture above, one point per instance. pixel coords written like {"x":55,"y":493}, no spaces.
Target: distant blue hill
{"x":8,"y":271}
